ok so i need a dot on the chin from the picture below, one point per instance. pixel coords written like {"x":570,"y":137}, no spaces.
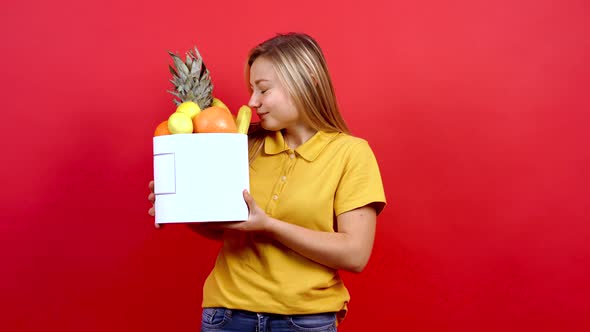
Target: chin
{"x":268,"y":125}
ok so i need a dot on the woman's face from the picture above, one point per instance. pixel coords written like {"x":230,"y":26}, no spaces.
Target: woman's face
{"x":270,"y":99}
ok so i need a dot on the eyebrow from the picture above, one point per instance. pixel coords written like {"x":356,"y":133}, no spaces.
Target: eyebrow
{"x":259,"y":80}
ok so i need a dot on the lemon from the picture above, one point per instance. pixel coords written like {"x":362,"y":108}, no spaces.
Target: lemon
{"x":219,"y":103}
{"x":180,"y":123}
{"x":189,"y":108}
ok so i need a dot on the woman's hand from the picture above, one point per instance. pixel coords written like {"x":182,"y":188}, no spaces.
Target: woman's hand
{"x":258,"y":220}
{"x":152,"y":198}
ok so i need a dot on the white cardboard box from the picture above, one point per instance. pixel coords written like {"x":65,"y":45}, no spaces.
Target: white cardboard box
{"x":200,"y":177}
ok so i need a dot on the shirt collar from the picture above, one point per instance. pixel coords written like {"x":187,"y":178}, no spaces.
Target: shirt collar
{"x":274,"y":143}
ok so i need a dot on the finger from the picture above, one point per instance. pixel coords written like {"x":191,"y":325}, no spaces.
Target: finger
{"x":152,"y":211}
{"x":151,"y":185}
{"x":228,"y":224}
{"x":157,"y":225}
{"x":152,"y":197}
{"x":249,"y":200}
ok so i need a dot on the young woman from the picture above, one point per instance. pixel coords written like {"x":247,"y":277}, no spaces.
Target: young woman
{"x":315,"y":194}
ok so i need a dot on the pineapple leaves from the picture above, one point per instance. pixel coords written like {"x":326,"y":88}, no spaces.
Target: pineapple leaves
{"x":191,"y":79}
{"x":197,"y":64}
{"x":189,"y":63}
{"x":181,"y":67}
{"x":172,"y":71}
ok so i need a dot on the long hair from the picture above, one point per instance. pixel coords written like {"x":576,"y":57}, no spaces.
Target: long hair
{"x":301,"y":67}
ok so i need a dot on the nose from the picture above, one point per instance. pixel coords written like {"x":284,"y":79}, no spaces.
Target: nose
{"x":254,"y":102}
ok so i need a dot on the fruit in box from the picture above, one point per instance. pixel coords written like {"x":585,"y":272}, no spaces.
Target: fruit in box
{"x":191,"y":80}
{"x":217,"y":102}
{"x":243,"y":119}
{"x":214,"y":120}
{"x":189,"y":108}
{"x":193,"y":91}
{"x":162,"y":129}
{"x":180,"y":123}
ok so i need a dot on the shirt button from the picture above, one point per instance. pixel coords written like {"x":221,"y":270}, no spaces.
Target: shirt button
{"x":291,"y":155}
{"x":275,"y":197}
{"x":283,"y":178}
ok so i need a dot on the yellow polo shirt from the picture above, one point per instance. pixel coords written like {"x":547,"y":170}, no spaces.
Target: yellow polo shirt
{"x":329,"y":174}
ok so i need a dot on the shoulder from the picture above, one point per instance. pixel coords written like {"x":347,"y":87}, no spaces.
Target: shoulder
{"x":329,"y":147}
{"x":351,"y":144}
{"x":346,"y":149}
{"x":349,"y":139}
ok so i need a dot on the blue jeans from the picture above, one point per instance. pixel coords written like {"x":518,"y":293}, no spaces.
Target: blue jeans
{"x":230,"y":320}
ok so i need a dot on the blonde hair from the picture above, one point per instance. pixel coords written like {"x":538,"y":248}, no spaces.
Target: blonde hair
{"x":302,"y":69}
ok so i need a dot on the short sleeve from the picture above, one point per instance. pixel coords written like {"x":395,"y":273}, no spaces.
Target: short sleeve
{"x":360,"y":183}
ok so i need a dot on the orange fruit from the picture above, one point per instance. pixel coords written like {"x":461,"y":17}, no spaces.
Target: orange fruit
{"x":162,"y":129}
{"x":214,"y":120}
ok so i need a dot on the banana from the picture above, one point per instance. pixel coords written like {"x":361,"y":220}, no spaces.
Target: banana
{"x":243,"y":119}
{"x":217,"y":102}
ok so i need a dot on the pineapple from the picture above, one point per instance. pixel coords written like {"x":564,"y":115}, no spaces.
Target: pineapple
{"x":191,"y":80}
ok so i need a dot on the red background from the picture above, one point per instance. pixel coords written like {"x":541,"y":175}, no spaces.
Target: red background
{"x":477,"y":112}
